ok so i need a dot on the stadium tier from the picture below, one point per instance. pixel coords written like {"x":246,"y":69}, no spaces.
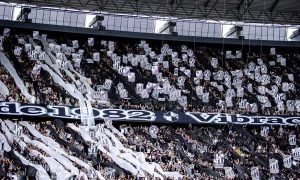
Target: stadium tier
{"x":56,"y":150}
{"x":100,"y":108}
{"x":147,"y":76}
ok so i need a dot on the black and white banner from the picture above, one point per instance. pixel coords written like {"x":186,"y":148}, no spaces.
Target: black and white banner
{"x":73,"y":113}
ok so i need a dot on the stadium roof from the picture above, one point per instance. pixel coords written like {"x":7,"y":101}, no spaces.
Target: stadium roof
{"x":258,"y":11}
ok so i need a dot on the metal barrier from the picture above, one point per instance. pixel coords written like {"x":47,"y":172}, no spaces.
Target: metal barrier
{"x":139,"y":23}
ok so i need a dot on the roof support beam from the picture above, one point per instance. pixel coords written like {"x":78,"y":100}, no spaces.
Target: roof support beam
{"x":215,"y":3}
{"x":240,"y":4}
{"x":206,"y":3}
{"x":249,"y":4}
{"x":274,"y":5}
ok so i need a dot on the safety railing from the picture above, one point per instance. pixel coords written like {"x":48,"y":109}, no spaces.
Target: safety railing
{"x":139,"y":23}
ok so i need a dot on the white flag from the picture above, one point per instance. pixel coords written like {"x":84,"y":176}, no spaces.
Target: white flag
{"x":199,"y":74}
{"x":238,"y":54}
{"x":75,"y":44}
{"x":103,"y":95}
{"x":184,"y":57}
{"x":155,"y":93}
{"x":274,"y":90}
{"x":131,"y":77}
{"x":6,"y":32}
{"x":175,"y":62}
{"x":292,"y":139}
{"x":291,"y":77}
{"x":228,"y":101}
{"x":264,"y":69}
{"x":77,"y":62}
{"x":187,"y":72}
{"x":35,"y":35}
{"x":282,"y":61}
{"x":125,"y":70}
{"x":182,"y":100}
{"x":183,"y":48}
{"x":278,"y":80}
{"x":264,"y":131}
{"x":251,"y":66}
{"x":274,"y":167}
{"x":253,"y":108}
{"x":36,"y":69}
{"x":199,"y":90}
{"x":154,"y":70}
{"x":123,"y":93}
{"x":228,"y":54}
{"x":261,"y":90}
{"x":17,"y":129}
{"x":124,"y":59}
{"x":91,"y":42}
{"x":144,"y":93}
{"x":93,"y":149}
{"x":255,"y":173}
{"x":175,"y":72}
{"x":229,"y":172}
{"x":297,"y":105}
{"x":272,"y":51}
{"x":280,"y":106}
{"x":220,"y":88}
{"x":214,"y":62}
{"x":174,"y":95}
{"x":205,"y":97}
{"x":59,"y":56}
{"x":192,"y":62}
{"x":38,"y":49}
{"x":207,"y":75}
{"x":296,"y":154}
{"x":17,"y":51}
{"x":96,"y":57}
{"x":219,"y":160}
{"x":196,"y":81}
{"x":159,"y":77}
{"x":260,"y":62}
{"x":265,"y":79}
{"x":107,"y":84}
{"x":180,"y":81}
{"x":287,"y":161}
{"x":250,"y":88}
{"x":285,"y":87}
{"x":166,"y":64}
{"x":134,"y":61}
{"x":272,"y":63}
{"x":243,"y":103}
{"x":190,"y":53}
{"x":290,"y":105}
{"x":240,"y":92}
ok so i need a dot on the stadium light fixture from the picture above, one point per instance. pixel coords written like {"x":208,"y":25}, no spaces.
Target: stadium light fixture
{"x":88,"y":19}
{"x":16,"y":12}
{"x":165,"y":27}
{"x":293,"y":34}
{"x":226,"y":28}
{"x":22,"y":14}
{"x":94,"y":21}
{"x":232,"y":31}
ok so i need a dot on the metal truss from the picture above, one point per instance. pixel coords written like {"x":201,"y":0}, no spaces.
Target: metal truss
{"x":232,"y":10}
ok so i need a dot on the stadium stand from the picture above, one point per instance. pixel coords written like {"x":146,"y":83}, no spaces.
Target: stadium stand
{"x":171,"y":78}
{"x":140,"y":75}
{"x":55,"y":149}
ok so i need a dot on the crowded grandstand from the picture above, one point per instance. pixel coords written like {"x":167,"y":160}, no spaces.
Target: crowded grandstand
{"x":82,"y":106}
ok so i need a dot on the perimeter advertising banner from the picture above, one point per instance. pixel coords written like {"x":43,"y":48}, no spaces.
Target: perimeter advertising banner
{"x":130,"y":115}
